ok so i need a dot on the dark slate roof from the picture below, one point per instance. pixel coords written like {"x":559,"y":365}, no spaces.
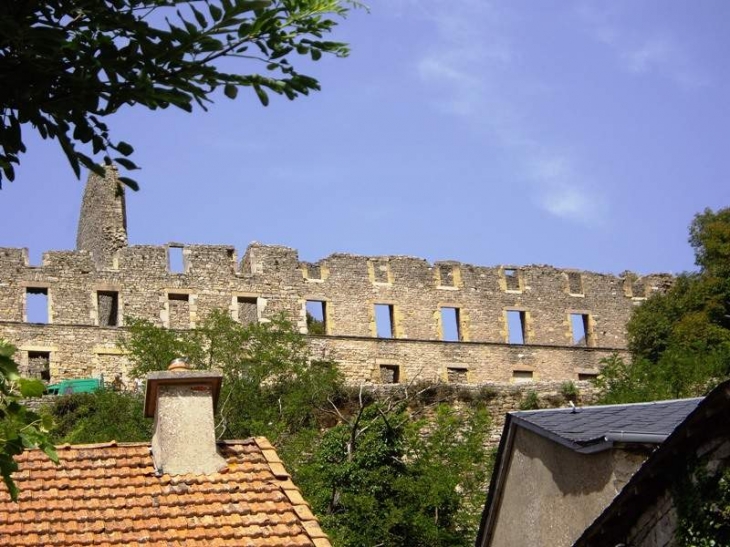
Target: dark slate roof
{"x":665,"y":466}
{"x":581,"y":428}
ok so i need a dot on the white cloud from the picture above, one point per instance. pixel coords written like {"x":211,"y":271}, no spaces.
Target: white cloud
{"x":652,"y":53}
{"x":471,"y":69}
{"x":571,"y":203}
{"x":461,"y":90}
{"x":560,"y":192}
{"x":468,"y":47}
{"x":642,"y":52}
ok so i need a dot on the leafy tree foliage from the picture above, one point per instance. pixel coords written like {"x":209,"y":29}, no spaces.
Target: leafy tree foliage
{"x":20,"y":428}
{"x":384,"y":477}
{"x":709,"y":235}
{"x":680,"y":340}
{"x":703,"y":506}
{"x":100,"y":416}
{"x":270,"y":386}
{"x":674,"y":376}
{"x":65,"y":65}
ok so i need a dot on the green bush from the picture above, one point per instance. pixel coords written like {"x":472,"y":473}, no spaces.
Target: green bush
{"x":530,"y":401}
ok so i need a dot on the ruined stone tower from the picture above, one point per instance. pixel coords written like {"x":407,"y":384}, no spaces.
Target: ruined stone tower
{"x":103,"y":220}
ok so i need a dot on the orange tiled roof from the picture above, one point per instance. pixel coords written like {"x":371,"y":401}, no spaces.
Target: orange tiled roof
{"x":109,"y":494}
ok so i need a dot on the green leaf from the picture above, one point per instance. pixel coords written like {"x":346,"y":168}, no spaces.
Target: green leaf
{"x":124,"y":148}
{"x":9,"y":368}
{"x":50,"y":451}
{"x":199,"y":17}
{"x":263,"y":97}
{"x":47,"y":422}
{"x":249,"y":5}
{"x":215,"y":12}
{"x":30,"y":387}
{"x":127,"y":164}
{"x":7,"y":350}
{"x":129,"y":183}
{"x":231,"y":91}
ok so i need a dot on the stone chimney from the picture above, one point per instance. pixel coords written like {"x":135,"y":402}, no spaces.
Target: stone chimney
{"x":182,"y":402}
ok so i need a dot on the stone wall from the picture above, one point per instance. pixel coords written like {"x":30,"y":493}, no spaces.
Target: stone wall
{"x":562,"y":322}
{"x":658,"y":523}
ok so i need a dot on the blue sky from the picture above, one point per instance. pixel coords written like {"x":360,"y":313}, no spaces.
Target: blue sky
{"x":578,"y":134}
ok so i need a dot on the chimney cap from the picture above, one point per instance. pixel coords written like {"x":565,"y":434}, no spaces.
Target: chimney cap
{"x":179,"y":363}
{"x":179,"y":377}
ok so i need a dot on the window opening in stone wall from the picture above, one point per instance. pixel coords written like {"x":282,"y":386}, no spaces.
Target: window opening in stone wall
{"x":450,"y":324}
{"x":39,"y":365}
{"x":575,"y":283}
{"x":638,"y":288}
{"x":179,"y":310}
{"x":380,"y":271}
{"x":316,"y":317}
{"x":579,"y":323}
{"x":520,"y":376}
{"x":36,"y":304}
{"x":515,"y":327}
{"x":108,"y":308}
{"x":512,"y":279}
{"x":248,"y":310}
{"x":456,"y":375}
{"x":587,"y":377}
{"x":314,"y":271}
{"x":175,"y":260}
{"x":446,"y":275}
{"x":35,"y":258}
{"x":384,"y":321}
{"x":389,"y":374}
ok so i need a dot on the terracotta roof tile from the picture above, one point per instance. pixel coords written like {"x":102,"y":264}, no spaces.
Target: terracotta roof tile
{"x":109,"y":495}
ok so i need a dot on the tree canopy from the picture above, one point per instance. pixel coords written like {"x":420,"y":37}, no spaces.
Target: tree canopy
{"x":270,"y":385}
{"x":680,"y":340}
{"x":65,"y":65}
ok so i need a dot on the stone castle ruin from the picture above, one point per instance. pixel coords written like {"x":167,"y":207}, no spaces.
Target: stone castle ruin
{"x":385,"y":319}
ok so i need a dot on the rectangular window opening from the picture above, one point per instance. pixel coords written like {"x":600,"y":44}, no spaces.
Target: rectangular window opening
{"x":580,"y":323}
{"x":108,"y":308}
{"x":450,"y":324}
{"x":575,"y":283}
{"x":39,"y":365}
{"x":314,"y":271}
{"x":248,"y":310}
{"x":512,"y":279}
{"x":36,"y":302}
{"x":179,"y":310}
{"x":446,"y":275}
{"x":516,"y":327}
{"x":456,"y":375}
{"x":380,"y":271}
{"x":175,"y":260}
{"x":35,"y":258}
{"x":521,"y":376}
{"x":384,"y":321}
{"x":316,"y":317}
{"x":389,"y":374}
{"x":587,"y":377}
{"x":638,"y":289}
